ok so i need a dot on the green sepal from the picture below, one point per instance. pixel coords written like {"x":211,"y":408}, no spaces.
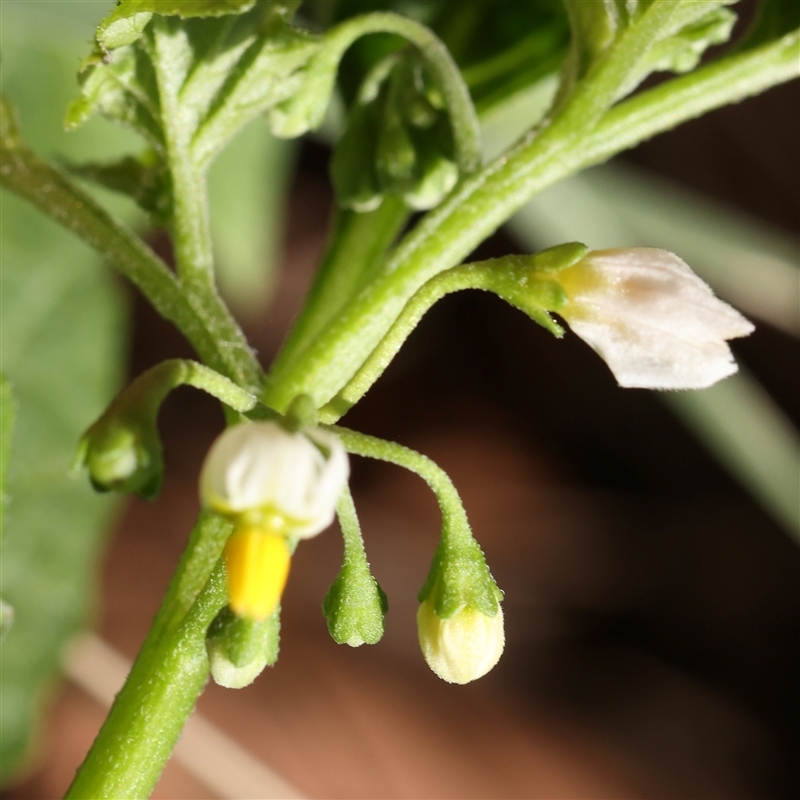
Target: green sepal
{"x":302,"y":413}
{"x":355,"y":606}
{"x":239,"y":649}
{"x":459,"y":578}
{"x":524,"y":282}
{"x":559,"y":257}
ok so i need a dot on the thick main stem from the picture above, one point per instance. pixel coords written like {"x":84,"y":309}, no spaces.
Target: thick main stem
{"x":169,"y":673}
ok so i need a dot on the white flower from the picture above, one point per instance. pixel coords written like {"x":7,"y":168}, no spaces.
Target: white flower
{"x":259,"y":472}
{"x":655,"y":323}
{"x":461,"y":648}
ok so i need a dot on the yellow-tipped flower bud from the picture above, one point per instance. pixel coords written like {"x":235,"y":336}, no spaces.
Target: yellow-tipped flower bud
{"x":461,"y":648}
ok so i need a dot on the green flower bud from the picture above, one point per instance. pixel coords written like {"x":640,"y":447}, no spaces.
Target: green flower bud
{"x":122,"y":451}
{"x":397,"y":141}
{"x":239,"y":649}
{"x":355,"y":606}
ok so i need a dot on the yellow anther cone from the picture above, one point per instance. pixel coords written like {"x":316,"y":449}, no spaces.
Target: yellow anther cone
{"x":258,"y":565}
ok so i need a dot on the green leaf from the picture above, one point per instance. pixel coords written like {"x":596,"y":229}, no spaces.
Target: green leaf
{"x":60,"y":318}
{"x":126,"y":23}
{"x":146,"y":185}
{"x":6,"y":425}
{"x":223,"y":72}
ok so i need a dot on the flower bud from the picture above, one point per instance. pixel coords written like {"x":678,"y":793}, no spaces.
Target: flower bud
{"x":461,"y":648}
{"x":459,"y":621}
{"x":257,"y":473}
{"x":123,"y":452}
{"x":654,"y":322}
{"x":239,"y":649}
{"x":355,"y":607}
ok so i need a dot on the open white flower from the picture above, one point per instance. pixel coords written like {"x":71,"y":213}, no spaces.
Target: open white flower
{"x":260,"y":471}
{"x":461,"y":648}
{"x":654,"y":322}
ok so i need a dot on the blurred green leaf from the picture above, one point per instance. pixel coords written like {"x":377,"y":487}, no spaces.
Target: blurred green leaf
{"x":61,"y":329}
{"x":61,"y":324}
{"x":6,"y":426}
{"x":247,"y":189}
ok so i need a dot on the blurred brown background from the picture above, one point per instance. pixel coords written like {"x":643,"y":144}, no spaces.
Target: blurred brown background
{"x":652,"y":607}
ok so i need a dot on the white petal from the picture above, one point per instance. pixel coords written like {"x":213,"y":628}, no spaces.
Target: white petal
{"x":259,"y":465}
{"x":656,"y":324}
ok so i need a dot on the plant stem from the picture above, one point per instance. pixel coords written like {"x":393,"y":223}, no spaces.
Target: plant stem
{"x":513,"y":278}
{"x":220,"y":345}
{"x":455,"y":525}
{"x":356,"y":246}
{"x":483,"y":202}
{"x":191,"y":227}
{"x":167,"y":677}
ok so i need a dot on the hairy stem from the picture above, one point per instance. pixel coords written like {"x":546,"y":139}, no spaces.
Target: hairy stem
{"x":169,"y":674}
{"x":481,"y":203}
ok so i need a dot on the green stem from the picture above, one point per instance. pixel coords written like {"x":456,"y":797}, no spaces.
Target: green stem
{"x":55,"y":195}
{"x":354,"y":553}
{"x":514,"y":278}
{"x":155,"y":384}
{"x":191,"y":228}
{"x":455,"y":525}
{"x":356,"y":245}
{"x":190,"y":224}
{"x":167,"y":677}
{"x":666,"y":106}
{"x":486,"y":200}
{"x":306,"y":111}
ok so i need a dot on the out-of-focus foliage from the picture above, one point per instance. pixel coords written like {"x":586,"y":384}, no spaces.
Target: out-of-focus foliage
{"x":61,"y":352}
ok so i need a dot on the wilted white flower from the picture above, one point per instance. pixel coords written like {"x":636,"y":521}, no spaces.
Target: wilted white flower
{"x":461,"y":648}
{"x":654,"y":322}
{"x":260,"y":471}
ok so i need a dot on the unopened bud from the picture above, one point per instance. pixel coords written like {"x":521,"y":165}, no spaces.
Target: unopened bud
{"x":122,"y":452}
{"x":461,"y":648}
{"x":355,"y":607}
{"x":239,"y":649}
{"x":654,"y":322}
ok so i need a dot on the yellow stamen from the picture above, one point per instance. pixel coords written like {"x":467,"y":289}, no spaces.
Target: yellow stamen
{"x":258,"y":565}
